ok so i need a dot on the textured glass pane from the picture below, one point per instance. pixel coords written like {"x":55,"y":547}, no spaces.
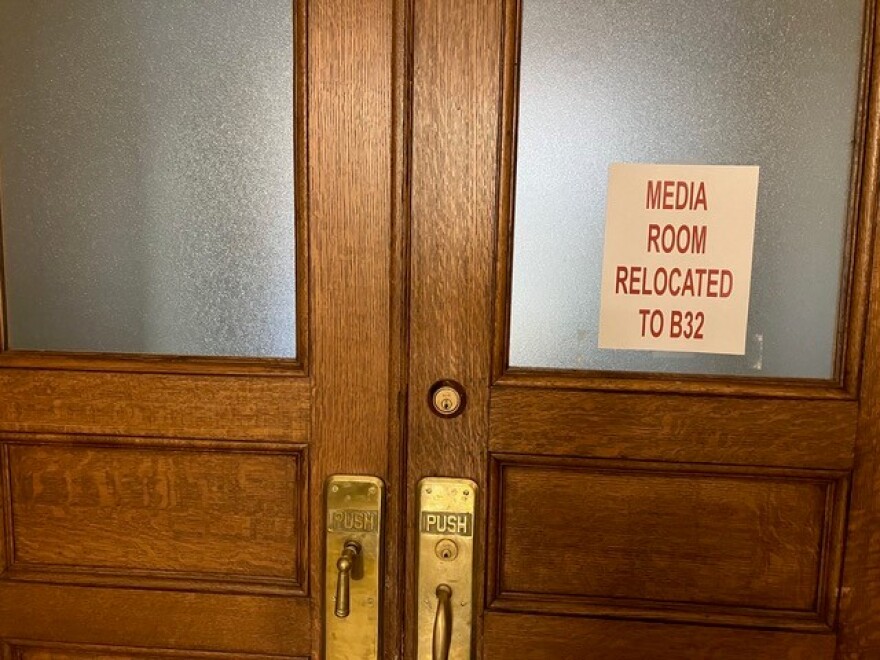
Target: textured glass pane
{"x":147,"y":175}
{"x":741,"y":82}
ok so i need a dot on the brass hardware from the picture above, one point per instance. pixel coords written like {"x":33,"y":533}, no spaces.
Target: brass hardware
{"x":352,"y":575}
{"x":446,"y":398}
{"x":442,"y":623}
{"x":447,"y":550}
{"x":350,"y":552}
{"x":445,"y":568}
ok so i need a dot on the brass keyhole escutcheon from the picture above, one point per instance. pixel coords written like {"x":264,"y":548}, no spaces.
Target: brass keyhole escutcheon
{"x":446,"y":549}
{"x":446,"y":398}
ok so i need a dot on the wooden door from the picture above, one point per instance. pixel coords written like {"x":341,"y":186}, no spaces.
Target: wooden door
{"x":172,"y":506}
{"x":633,"y":515}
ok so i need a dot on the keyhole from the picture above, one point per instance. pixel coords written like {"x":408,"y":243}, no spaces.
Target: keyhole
{"x":446,"y":549}
{"x":446,"y":398}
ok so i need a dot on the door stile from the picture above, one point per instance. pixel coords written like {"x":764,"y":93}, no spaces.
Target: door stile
{"x":860,"y":594}
{"x":455,"y":135}
{"x":859,"y":597}
{"x":350,"y":248}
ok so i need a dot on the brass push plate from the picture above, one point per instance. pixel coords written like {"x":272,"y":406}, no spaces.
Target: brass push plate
{"x":352,"y":576}
{"x":447,"y":525}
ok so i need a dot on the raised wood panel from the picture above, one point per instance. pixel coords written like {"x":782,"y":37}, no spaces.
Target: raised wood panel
{"x":161,"y":405}
{"x":40,"y":651}
{"x":223,"y":517}
{"x":730,"y":545}
{"x":562,"y":638}
{"x":810,"y":434}
{"x":237,"y":624}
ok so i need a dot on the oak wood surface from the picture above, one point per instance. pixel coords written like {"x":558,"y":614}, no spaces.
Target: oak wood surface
{"x":397,"y":561}
{"x":23,"y":651}
{"x":350,"y":128}
{"x":860,"y":591}
{"x":800,"y":433}
{"x":576,"y":536}
{"x":217,"y":514}
{"x":150,"y":618}
{"x":162,"y":405}
{"x":454,"y":140}
{"x":563,"y":638}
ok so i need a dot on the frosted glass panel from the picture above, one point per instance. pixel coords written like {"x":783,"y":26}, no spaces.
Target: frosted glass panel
{"x":147,"y":175}
{"x":741,"y":82}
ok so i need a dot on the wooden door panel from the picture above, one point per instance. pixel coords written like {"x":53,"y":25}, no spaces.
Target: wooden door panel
{"x":683,"y":542}
{"x":156,"y":542}
{"x":557,"y":638}
{"x":744,"y":431}
{"x":84,"y":652}
{"x":235,"y":407}
{"x":194,"y":516}
{"x":150,"y":618}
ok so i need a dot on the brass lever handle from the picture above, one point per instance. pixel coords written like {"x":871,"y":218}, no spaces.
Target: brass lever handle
{"x":443,"y":623}
{"x":345,"y":565}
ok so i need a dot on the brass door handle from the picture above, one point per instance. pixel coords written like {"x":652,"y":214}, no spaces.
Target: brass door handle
{"x":345,"y":564}
{"x":352,"y":575}
{"x":445,"y":598}
{"x":442,"y":623}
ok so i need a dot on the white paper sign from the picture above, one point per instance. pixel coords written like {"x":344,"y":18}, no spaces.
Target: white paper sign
{"x":677,"y":268}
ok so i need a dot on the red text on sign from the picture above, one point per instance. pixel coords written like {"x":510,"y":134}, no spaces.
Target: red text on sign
{"x":683,"y":239}
{"x":685,"y":282}
{"x":677,"y":196}
{"x":681,"y":325}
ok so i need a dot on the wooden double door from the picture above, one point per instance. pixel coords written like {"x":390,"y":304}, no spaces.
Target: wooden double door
{"x":174,"y":506}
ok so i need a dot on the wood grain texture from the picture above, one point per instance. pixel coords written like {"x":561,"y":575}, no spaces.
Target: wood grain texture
{"x":153,"y":364}
{"x":627,"y":538}
{"x":6,"y":548}
{"x":351,"y":88}
{"x":41,"y":651}
{"x":817,"y":434}
{"x":860,"y":592}
{"x":395,"y":601}
{"x":230,"y":516}
{"x":635,"y":382}
{"x":861,"y":654}
{"x":161,"y":405}
{"x":565,"y":638}
{"x":456,"y":64}
{"x":148,"y":618}
{"x":857,"y":275}
{"x":507,"y":148}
